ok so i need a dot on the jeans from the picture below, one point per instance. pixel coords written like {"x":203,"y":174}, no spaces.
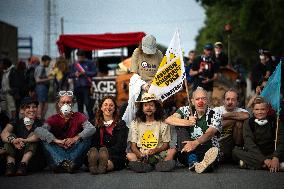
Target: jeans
{"x":83,"y":98}
{"x":76,"y":153}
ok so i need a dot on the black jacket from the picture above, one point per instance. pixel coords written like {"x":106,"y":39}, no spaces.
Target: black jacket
{"x":260,"y":139}
{"x":117,"y":143}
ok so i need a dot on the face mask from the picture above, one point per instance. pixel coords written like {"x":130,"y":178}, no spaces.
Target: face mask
{"x":261,"y":57}
{"x":260,"y":122}
{"x":28,"y":121}
{"x":66,"y":109}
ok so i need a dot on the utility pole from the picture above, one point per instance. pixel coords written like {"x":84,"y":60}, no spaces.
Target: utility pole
{"x":228,"y":31}
{"x":62,"y":25}
{"x":50,"y":28}
{"x":46,"y":45}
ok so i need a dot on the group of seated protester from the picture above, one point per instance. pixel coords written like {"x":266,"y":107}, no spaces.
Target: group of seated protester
{"x":195,"y":136}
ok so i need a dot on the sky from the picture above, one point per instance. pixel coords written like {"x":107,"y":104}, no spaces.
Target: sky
{"x":157,"y":17}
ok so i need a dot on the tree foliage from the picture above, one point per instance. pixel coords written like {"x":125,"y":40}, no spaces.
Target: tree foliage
{"x":255,"y":24}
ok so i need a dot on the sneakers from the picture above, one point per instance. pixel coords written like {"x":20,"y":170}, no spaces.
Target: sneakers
{"x":70,"y":166}
{"x":103,"y":160}
{"x":66,"y":166}
{"x":192,"y":160}
{"x":165,"y":166}
{"x":22,"y":169}
{"x":10,"y":169}
{"x":209,"y":157}
{"x":140,"y":167}
{"x":93,"y":157}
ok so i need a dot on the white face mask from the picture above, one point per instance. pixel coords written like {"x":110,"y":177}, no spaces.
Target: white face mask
{"x":261,"y":122}
{"x":28,"y":121}
{"x":66,"y":109}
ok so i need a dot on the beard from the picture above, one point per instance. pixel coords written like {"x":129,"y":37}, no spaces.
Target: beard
{"x":149,"y":113}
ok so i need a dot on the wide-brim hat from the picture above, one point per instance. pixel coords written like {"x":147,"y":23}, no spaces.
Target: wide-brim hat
{"x":147,"y":97}
{"x":28,"y":100}
{"x":149,"y":45}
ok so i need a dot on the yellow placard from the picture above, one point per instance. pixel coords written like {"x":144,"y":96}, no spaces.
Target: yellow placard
{"x":149,"y":140}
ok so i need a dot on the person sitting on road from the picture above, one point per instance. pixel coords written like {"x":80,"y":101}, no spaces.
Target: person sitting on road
{"x":110,"y":141}
{"x":20,"y":142}
{"x":149,"y":137}
{"x":232,"y":124}
{"x":259,"y":141}
{"x":66,"y":135}
{"x":197,"y":142}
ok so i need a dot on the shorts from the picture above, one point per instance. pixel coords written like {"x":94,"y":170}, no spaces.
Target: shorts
{"x":42,"y":93}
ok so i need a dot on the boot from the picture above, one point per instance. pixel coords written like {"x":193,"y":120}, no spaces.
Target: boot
{"x":103,"y":160}
{"x":140,"y":167}
{"x":22,"y":169}
{"x":10,"y":169}
{"x":93,"y":160}
{"x":165,"y":166}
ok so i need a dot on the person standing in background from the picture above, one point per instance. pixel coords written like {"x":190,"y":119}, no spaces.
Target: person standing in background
{"x":82,"y":73}
{"x":42,"y":86}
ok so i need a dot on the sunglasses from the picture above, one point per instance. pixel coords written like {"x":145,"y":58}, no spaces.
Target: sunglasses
{"x":65,"y":93}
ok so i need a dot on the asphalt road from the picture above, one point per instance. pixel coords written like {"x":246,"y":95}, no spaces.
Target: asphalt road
{"x":227,"y":176}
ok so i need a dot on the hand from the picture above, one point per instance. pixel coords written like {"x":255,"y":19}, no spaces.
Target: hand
{"x":191,"y":120}
{"x":274,"y":166}
{"x":189,"y":146}
{"x":258,"y":90}
{"x":146,"y":87}
{"x":60,"y":142}
{"x":18,"y":143}
{"x":152,"y":151}
{"x":70,"y":141}
{"x":78,"y":74}
{"x":24,"y":140}
{"x":140,"y":155}
{"x":205,"y":81}
{"x":267,"y":162}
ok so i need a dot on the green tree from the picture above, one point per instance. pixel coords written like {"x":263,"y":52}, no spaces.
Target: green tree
{"x":255,"y":24}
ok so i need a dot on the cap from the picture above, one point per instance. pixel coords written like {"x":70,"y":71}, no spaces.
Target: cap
{"x":149,"y":44}
{"x":218,"y":43}
{"x":208,"y":46}
{"x":28,"y":100}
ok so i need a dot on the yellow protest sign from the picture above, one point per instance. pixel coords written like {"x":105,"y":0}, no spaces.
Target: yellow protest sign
{"x":149,"y":140}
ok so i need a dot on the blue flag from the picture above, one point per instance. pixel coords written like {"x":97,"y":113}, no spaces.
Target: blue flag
{"x":271,"y":91}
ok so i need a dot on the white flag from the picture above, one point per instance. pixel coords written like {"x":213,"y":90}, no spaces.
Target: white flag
{"x":170,"y":75}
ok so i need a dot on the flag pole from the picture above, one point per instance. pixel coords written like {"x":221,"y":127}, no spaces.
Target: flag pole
{"x":276,"y":132}
{"x":188,"y":98}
